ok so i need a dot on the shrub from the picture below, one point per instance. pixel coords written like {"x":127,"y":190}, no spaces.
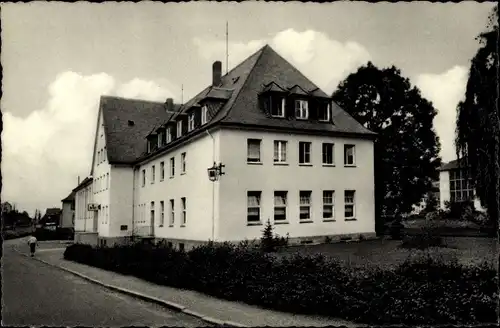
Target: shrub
{"x":269,"y":242}
{"x":420,"y":291}
{"x":396,"y":229}
{"x":428,"y":236}
{"x":459,"y":210}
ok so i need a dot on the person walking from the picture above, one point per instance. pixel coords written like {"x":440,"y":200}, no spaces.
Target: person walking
{"x":32,"y":241}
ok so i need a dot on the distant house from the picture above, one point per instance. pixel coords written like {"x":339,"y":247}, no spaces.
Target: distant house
{"x":455,"y":184}
{"x":433,"y":192}
{"x":68,"y":211}
{"x":7,"y":207}
{"x":85,"y":220}
{"x":51,"y":218}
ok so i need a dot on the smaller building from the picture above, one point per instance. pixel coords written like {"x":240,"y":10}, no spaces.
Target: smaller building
{"x":52,"y":219}
{"x":455,"y":184}
{"x":85,"y":217}
{"x":68,"y":211}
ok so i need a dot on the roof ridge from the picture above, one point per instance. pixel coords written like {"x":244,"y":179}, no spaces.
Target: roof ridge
{"x":132,"y":99}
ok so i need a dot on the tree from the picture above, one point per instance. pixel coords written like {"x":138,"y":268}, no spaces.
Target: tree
{"x":406,"y":148}
{"x":267,"y":239}
{"x":478,"y":121}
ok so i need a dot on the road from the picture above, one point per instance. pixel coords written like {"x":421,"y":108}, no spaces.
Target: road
{"x":37,"y":294}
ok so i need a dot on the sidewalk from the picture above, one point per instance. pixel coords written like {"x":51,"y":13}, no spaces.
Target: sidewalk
{"x":190,"y":302}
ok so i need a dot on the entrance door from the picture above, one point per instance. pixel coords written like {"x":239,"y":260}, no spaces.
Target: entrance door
{"x":95,"y":221}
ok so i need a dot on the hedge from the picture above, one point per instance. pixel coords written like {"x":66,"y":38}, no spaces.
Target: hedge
{"x":420,"y":291}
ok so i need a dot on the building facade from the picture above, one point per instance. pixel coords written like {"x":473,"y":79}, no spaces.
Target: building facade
{"x":260,"y":143}
{"x":68,"y":211}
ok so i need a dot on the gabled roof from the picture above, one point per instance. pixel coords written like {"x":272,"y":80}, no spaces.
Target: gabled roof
{"x":455,"y":164}
{"x":126,"y":142}
{"x":84,"y":183}
{"x":297,"y":90}
{"x":70,"y":197}
{"x":273,"y":87}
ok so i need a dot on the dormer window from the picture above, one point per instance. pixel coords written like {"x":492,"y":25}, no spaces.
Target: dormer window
{"x":324,"y":112}
{"x":204,"y":115}
{"x":179,"y":129}
{"x":149,"y":146}
{"x":277,"y":106}
{"x":301,"y":109}
{"x":160,"y":139}
{"x":169,"y":135}
{"x":191,"y":122}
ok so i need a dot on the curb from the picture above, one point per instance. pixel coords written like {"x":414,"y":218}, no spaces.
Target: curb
{"x":144,"y":297}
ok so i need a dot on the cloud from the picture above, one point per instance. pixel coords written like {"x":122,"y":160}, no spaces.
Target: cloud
{"x":45,"y":152}
{"x":325,"y":61}
{"x":445,"y":90}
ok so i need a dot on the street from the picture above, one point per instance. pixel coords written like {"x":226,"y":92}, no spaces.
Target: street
{"x":37,"y":294}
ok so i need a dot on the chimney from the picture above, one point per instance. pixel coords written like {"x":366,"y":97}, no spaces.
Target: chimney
{"x":216,"y":73}
{"x":169,"y":104}
{"x":78,"y":180}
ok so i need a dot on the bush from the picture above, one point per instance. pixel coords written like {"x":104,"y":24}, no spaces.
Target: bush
{"x":396,"y":230}
{"x":460,"y":210}
{"x":428,"y":236}
{"x":270,"y":242}
{"x":58,"y":234}
{"x":420,"y":291}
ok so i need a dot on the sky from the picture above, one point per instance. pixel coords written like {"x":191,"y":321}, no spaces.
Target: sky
{"x":59,"y":58}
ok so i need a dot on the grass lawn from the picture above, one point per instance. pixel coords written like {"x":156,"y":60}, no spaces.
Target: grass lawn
{"x":386,"y":253}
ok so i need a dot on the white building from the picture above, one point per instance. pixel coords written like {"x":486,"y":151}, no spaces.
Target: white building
{"x":286,"y":151}
{"x":68,"y":211}
{"x":455,"y":185}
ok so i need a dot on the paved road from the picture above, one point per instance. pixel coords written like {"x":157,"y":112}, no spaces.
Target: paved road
{"x":37,"y":294}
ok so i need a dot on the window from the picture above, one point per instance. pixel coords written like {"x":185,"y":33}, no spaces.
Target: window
{"x":181,"y":247}
{"x":183,"y":163}
{"x":153,"y":173}
{"x":204,"y":115}
{"x":253,"y":153}
{"x":304,"y":152}
{"x":172,"y":167}
{"x":172,"y":212}
{"x":328,"y":150}
{"x":107,"y":180}
{"x":160,"y":139}
{"x":460,"y":186}
{"x":169,"y":135}
{"x":179,"y":129}
{"x":162,"y":213}
{"x":277,"y":106}
{"x":143,"y":178}
{"x":183,"y":204}
{"x":162,"y":171}
{"x":149,"y":146}
{"x":324,"y":112}
{"x":253,"y":206}
{"x":305,"y":205}
{"x":349,"y":155}
{"x":152,"y":218}
{"x":328,"y":204}
{"x":104,"y":154}
{"x":98,"y":157}
{"x":280,"y":151}
{"x":349,"y":204}
{"x":191,"y":122}
{"x":301,"y":109}
{"x":280,"y":205}
{"x":106,"y":210}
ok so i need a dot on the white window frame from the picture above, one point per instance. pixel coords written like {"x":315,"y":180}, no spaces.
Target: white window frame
{"x":458,"y":178}
{"x":281,"y":108}
{"x":255,"y":142}
{"x":328,"y":146}
{"x":258,"y":195}
{"x":169,"y":134}
{"x":303,"y":196}
{"x":183,"y":212}
{"x":172,"y":167}
{"x":328,"y":110}
{"x":280,"y":148}
{"x":329,"y":202}
{"x":348,"y":147}
{"x":191,"y":122}
{"x":162,"y":213}
{"x":162,"y":171}
{"x":183,"y":163}
{"x":280,"y":195}
{"x":204,"y":115}
{"x":143,"y":177}
{"x":172,"y":212}
{"x":179,"y":128}
{"x":160,"y":137}
{"x":349,"y":203}
{"x":306,"y":152}
{"x":153,"y":174}
{"x":301,"y":109}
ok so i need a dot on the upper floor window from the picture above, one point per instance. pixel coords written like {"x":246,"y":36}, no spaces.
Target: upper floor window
{"x":179,"y":129}
{"x":153,"y":173}
{"x":169,"y":135}
{"x":324,"y":112}
{"x":349,"y":155}
{"x":183,"y":163}
{"x":162,"y":171}
{"x":328,"y":151}
{"x":191,"y":122}
{"x":253,"y":151}
{"x":304,"y":152}
{"x":143,"y":178}
{"x":277,"y":106}
{"x":204,"y":115}
{"x":279,"y":151}
{"x":172,"y":167}
{"x":104,"y":154}
{"x":328,"y":204}
{"x":301,"y":109}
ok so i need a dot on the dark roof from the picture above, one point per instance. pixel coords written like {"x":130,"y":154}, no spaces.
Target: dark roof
{"x":234,"y":102}
{"x":84,"y":183}
{"x":70,"y":197}
{"x":53,"y":211}
{"x":125,"y":142}
{"x":455,"y":164}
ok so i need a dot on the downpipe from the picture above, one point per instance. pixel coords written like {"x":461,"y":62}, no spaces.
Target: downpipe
{"x":213,"y":188}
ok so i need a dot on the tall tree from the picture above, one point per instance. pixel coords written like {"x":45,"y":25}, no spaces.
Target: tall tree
{"x":478,"y":120}
{"x":406,"y":149}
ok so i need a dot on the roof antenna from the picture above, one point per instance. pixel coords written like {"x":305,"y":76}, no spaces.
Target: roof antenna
{"x":227,"y":47}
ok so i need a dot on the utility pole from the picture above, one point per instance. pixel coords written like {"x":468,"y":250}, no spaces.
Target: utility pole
{"x":227,"y":45}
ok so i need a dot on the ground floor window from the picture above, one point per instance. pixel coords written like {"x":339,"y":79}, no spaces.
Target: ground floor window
{"x":253,"y":206}
{"x":328,"y":204}
{"x":305,"y":205}
{"x":349,"y":204}
{"x":280,"y":205}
